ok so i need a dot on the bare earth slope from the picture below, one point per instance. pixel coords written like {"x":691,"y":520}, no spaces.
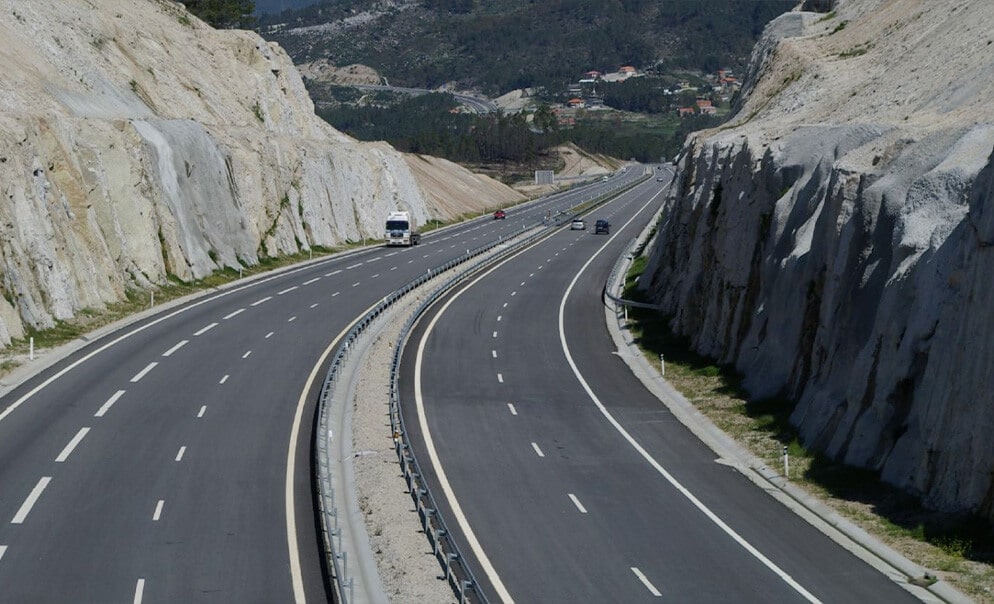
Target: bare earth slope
{"x":836,"y":242}
{"x":136,"y":143}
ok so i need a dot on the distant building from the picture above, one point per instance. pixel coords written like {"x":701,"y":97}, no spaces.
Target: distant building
{"x":685,"y":111}
{"x":576,"y":103}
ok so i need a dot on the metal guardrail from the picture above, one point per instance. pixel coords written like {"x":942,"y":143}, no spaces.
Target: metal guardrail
{"x":457,"y":572}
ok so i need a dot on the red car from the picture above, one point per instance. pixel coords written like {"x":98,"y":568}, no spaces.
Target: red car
{"x":499,"y":215}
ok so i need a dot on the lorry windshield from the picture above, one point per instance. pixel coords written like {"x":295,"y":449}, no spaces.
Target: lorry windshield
{"x":397,"y":225}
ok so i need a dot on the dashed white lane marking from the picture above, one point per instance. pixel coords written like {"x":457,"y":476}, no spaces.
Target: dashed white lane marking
{"x":500,"y":378}
{"x":179,"y":345}
{"x":143,"y":372}
{"x":314,"y":280}
{"x":530,"y":275}
{"x":224,"y":379}
{"x":522,"y":284}
{"x":348,"y":268}
{"x":540,"y":267}
{"x":179,"y":455}
{"x":106,"y":406}
{"x":332,"y":273}
{"x":29,"y":503}
{"x":335,"y":294}
{"x":261,"y":301}
{"x":648,"y":585}
{"x":577,"y":503}
{"x":538,"y":451}
{"x":203,"y":410}
{"x":410,"y":262}
{"x":3,"y":550}
{"x":315,"y":305}
{"x":234,"y":314}
{"x":493,"y":353}
{"x":292,"y":319}
{"x":158,"y":510}
{"x":286,"y":291}
{"x":375,"y":276}
{"x":205,"y":329}
{"x":270,"y":334}
{"x":498,"y":318}
{"x":495,"y":334}
{"x":394,"y":268}
{"x":247,"y":353}
{"x":67,"y":451}
{"x":391,"y":254}
{"x":356,"y":284}
{"x":511,"y":407}
{"x":139,"y":591}
{"x":505,"y":305}
{"x":514,"y":293}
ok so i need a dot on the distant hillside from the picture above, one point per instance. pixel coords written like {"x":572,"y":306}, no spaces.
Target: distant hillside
{"x":501,"y":45}
{"x":266,"y":7}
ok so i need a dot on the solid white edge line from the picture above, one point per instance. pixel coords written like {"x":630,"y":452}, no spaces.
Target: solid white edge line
{"x":158,"y":510}
{"x":233,"y":314}
{"x":106,"y":406}
{"x":182,"y":451}
{"x":645,"y":581}
{"x":577,"y":503}
{"x":179,"y":345}
{"x":139,"y":591}
{"x":67,"y":451}
{"x":25,"y":509}
{"x":296,"y":575}
{"x":786,"y":578}
{"x":138,"y":376}
{"x":204,"y":330}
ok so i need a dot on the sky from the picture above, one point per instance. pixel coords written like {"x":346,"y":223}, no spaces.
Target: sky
{"x":274,"y":6}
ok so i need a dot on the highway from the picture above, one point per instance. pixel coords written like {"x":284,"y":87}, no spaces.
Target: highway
{"x":563,"y":479}
{"x":156,"y":463}
{"x":476,"y":104}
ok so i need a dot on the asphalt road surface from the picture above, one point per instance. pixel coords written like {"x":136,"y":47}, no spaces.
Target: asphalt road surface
{"x":563,"y":479}
{"x":156,"y":464}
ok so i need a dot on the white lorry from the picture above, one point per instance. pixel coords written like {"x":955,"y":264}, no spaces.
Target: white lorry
{"x":402,"y":229}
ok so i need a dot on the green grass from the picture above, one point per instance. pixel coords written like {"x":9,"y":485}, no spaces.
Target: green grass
{"x":959,"y":546}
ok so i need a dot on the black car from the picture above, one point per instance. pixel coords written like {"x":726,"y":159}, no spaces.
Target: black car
{"x":602,"y":226}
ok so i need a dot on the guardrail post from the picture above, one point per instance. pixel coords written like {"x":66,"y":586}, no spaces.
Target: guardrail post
{"x":662,"y":366}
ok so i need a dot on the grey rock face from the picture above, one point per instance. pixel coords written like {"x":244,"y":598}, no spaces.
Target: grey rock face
{"x":844,"y":259}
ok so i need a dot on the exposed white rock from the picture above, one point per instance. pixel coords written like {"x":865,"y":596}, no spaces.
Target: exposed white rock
{"x":836,"y":245}
{"x":137,"y":142}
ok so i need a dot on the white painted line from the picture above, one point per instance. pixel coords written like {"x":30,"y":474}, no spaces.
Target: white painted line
{"x":315,"y":279}
{"x":233,"y":314}
{"x":139,"y":591}
{"x":425,"y":256}
{"x":511,"y":407}
{"x":106,"y":406}
{"x":786,"y":578}
{"x":495,"y":334}
{"x":179,"y":455}
{"x":203,"y":409}
{"x":270,"y":334}
{"x":375,"y":276}
{"x":505,"y":305}
{"x":158,"y":511}
{"x":292,"y":319}
{"x":500,"y":378}
{"x":333,"y":273}
{"x":493,"y":353}
{"x":410,"y":262}
{"x":181,"y":344}
{"x":648,"y":585}
{"x":391,"y":254}
{"x":538,"y":451}
{"x":531,"y":275}
{"x":3,"y":550}
{"x":67,"y":451}
{"x":286,"y":291}
{"x":33,"y":496}
{"x":263,"y":300}
{"x":205,"y":329}
{"x":577,"y":503}
{"x":371,"y":260}
{"x":498,"y":318}
{"x":247,"y":353}
{"x":224,"y":379}
{"x":539,"y":267}
{"x":394,"y":268}
{"x":356,"y":284}
{"x":348,"y":268}
{"x":522,"y":284}
{"x":315,"y":305}
{"x":514,"y":293}
{"x":334,"y":294}
{"x":144,"y":372}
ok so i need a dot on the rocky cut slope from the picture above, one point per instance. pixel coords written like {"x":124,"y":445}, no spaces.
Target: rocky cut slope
{"x":835,"y":243}
{"x":136,"y":143}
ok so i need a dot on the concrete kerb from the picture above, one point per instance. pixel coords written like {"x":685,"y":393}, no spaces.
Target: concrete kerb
{"x":842,"y":531}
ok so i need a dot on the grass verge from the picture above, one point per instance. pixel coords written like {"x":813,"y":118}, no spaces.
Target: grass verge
{"x":958,"y":548}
